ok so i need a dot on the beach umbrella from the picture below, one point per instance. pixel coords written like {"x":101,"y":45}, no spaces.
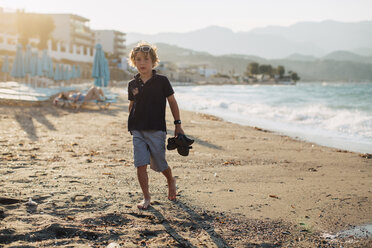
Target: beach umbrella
{"x":56,"y":73}
{"x":98,"y":66}
{"x":66,"y":73}
{"x":39,"y":68}
{"x":18,"y":70}
{"x":78,"y":73}
{"x":51,"y":71}
{"x":28,"y":59}
{"x":73,"y":72}
{"x":61,"y":72}
{"x":33,"y":66}
{"x":5,"y":66}
{"x":106,"y":75}
{"x":69,"y":73}
{"x":45,"y":62}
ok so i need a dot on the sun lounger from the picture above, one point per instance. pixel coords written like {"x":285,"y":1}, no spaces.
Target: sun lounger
{"x":102,"y":104}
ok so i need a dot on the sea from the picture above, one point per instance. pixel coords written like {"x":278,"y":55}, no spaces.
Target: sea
{"x":337,"y":115}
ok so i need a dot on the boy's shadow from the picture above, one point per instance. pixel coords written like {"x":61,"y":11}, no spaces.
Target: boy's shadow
{"x":197,"y":222}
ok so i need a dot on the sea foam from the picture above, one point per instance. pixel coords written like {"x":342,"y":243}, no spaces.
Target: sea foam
{"x":328,"y":114}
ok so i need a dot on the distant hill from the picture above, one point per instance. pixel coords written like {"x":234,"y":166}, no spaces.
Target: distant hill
{"x":315,"y":69}
{"x":224,"y":63}
{"x":307,"y":38}
{"x":300,"y":57}
{"x":347,"y":56}
{"x":363,"y":51}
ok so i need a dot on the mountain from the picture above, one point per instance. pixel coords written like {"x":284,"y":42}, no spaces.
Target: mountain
{"x":327,"y":35}
{"x":224,"y":63}
{"x":363,"y":51}
{"x":309,"y":69}
{"x":301,"y":57}
{"x":347,"y":56}
{"x":308,"y":38}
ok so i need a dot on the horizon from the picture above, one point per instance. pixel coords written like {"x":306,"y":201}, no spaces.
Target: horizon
{"x":238,"y":15}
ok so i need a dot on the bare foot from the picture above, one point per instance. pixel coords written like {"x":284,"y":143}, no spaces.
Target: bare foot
{"x":144,"y":204}
{"x":172,"y":189}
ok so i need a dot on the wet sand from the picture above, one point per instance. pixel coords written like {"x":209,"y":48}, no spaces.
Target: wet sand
{"x":239,"y":187}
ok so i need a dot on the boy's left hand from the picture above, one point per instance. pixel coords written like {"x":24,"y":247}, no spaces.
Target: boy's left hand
{"x":178,"y":129}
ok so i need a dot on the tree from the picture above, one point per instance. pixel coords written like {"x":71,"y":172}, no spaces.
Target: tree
{"x":266,"y":69}
{"x":281,"y":71}
{"x":26,"y":25}
{"x":295,"y":77}
{"x":262,"y":69}
{"x":45,"y":26}
{"x":269,"y":70}
{"x":34,"y":25}
{"x":252,"y":69}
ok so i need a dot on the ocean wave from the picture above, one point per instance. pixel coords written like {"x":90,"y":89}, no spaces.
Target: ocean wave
{"x":307,"y":112}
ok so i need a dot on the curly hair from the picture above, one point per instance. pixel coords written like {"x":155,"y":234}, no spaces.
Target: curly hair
{"x":153,"y":54}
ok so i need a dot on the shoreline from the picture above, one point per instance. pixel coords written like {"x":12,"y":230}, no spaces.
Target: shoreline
{"x":239,"y":185}
{"x":314,"y":124}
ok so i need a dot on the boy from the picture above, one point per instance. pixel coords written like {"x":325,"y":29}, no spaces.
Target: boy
{"x":147,"y":94}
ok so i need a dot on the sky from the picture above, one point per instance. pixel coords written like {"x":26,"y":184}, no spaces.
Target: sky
{"x":156,"y":16}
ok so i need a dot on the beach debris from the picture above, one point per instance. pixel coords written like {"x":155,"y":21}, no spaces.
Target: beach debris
{"x":31,"y":203}
{"x":80,"y":198}
{"x":274,"y":196}
{"x":93,"y":153}
{"x":342,"y":151}
{"x":312,"y":170}
{"x":210,"y":117}
{"x":70,"y":217}
{"x":261,"y":130}
{"x":113,"y":245}
{"x":232,"y":162}
{"x":107,"y":173}
{"x":55,"y":159}
{"x":366,"y":155}
{"x":88,"y":160}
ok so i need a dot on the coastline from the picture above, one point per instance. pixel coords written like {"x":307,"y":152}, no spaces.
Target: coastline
{"x":78,"y":168}
{"x":310,"y":119}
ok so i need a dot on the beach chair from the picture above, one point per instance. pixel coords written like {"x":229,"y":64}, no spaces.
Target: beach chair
{"x":101,"y":104}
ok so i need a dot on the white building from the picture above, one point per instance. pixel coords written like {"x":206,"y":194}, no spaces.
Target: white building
{"x":207,"y":72}
{"x":112,"y":41}
{"x":73,"y":30}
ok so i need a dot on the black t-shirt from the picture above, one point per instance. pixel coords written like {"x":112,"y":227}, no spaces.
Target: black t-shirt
{"x":148,"y":112}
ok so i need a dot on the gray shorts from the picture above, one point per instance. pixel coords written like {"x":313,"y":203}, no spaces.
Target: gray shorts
{"x":149,"y":148}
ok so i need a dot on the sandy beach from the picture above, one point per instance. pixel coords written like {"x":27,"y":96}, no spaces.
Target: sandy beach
{"x":239,"y":187}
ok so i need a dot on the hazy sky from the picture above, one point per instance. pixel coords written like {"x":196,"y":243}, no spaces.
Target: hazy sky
{"x":156,"y":16}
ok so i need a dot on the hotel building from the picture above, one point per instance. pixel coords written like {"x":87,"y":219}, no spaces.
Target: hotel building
{"x":112,"y":41}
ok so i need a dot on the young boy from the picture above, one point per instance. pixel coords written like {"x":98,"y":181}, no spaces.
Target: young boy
{"x":147,"y":93}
